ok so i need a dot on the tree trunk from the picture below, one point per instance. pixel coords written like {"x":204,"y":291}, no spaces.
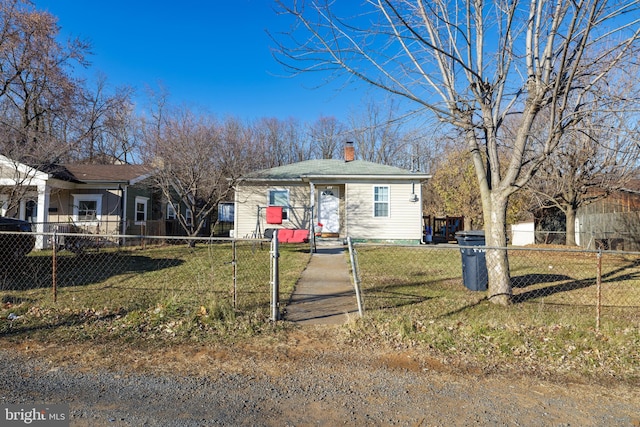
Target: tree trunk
{"x":499,"y":288}
{"x":570,"y":226}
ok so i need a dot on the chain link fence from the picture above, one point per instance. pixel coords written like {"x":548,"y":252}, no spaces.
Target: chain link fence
{"x":161,"y":283}
{"x":578,"y":285}
{"x":143,"y":283}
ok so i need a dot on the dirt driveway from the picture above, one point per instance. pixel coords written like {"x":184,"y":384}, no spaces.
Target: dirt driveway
{"x":304,"y":380}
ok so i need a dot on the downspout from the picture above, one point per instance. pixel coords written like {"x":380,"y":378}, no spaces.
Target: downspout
{"x":312,"y":217}
{"x":123,"y":210}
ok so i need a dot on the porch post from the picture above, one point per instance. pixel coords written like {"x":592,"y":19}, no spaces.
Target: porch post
{"x":312,"y":217}
{"x":42,"y":215}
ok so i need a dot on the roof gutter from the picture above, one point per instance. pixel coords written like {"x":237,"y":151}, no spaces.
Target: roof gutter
{"x":309,"y":178}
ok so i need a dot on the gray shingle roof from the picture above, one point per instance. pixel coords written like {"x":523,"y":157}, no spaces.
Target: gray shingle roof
{"x":332,"y":168}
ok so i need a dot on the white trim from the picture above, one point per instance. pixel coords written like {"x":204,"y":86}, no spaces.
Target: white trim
{"x":172,"y":211}
{"x":145,"y":202}
{"x":285,"y":208}
{"x":23,"y":169}
{"x":88,"y":197}
{"x":388,"y":201}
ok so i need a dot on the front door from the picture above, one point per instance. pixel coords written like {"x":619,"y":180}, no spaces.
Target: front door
{"x":329,"y":210}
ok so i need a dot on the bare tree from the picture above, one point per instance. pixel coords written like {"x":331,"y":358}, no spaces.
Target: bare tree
{"x":35,"y":83}
{"x":20,"y":179}
{"x":180,"y":144}
{"x":282,"y":140}
{"x":455,"y":188}
{"x":377,"y":133}
{"x":327,"y":136}
{"x":105,"y":125}
{"x":197,"y":159}
{"x":122,"y":128}
{"x":471,"y":64}
{"x":422,"y":147}
{"x":590,"y":162}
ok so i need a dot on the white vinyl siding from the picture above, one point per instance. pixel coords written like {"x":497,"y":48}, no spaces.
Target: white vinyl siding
{"x":357,"y":219}
{"x":249,"y":197}
{"x":405,"y":217}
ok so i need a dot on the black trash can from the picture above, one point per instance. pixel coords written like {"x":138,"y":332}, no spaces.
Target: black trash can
{"x":474,"y":263}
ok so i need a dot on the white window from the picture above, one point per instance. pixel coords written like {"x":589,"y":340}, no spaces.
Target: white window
{"x":280,"y":198}
{"x":381,"y":201}
{"x":188,"y":216}
{"x":141,"y":209}
{"x":87,"y":208}
{"x":171,"y":212}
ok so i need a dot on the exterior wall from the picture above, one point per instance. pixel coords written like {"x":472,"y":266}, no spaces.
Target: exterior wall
{"x":616,"y":231}
{"x":60,"y":206}
{"x":61,"y":210}
{"x":404,"y":222}
{"x":249,"y":197}
{"x":611,"y":223}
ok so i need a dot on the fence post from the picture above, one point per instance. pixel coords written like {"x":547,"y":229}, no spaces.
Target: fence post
{"x":275,"y":278}
{"x":234,"y":263}
{"x":356,"y":278}
{"x":599,"y":290}
{"x":54,"y":265}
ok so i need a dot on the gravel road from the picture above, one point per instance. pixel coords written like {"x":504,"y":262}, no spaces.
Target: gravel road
{"x":294,"y":385}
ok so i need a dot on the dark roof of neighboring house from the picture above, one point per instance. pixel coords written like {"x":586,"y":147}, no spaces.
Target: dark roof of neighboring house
{"x":58,"y":171}
{"x":332,"y":168}
{"x":100,"y":173}
{"x":97,"y":173}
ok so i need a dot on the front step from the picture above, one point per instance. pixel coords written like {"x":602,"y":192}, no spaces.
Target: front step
{"x":329,"y":241}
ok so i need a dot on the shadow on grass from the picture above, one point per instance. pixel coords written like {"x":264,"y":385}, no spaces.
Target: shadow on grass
{"x":554,"y":289}
{"x":620,"y":274}
{"x":78,"y":270}
{"x":401,"y":293}
{"x":394,"y":299}
{"x":534,"y":279}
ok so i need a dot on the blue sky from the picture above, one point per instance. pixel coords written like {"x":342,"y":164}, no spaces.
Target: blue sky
{"x":211,"y":54}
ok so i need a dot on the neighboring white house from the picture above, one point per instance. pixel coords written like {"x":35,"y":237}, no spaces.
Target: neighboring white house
{"x":349,"y":198}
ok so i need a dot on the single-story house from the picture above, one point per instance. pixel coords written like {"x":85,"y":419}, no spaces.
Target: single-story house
{"x":335,"y":198}
{"x":105,"y":199}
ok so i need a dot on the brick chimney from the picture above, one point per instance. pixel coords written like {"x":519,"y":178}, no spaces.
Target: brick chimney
{"x":349,"y":152}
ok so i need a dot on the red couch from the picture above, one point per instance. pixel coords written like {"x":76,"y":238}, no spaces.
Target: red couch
{"x":290,"y":235}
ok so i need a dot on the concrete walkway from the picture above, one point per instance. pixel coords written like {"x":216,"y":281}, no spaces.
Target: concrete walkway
{"x":324,"y":294}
